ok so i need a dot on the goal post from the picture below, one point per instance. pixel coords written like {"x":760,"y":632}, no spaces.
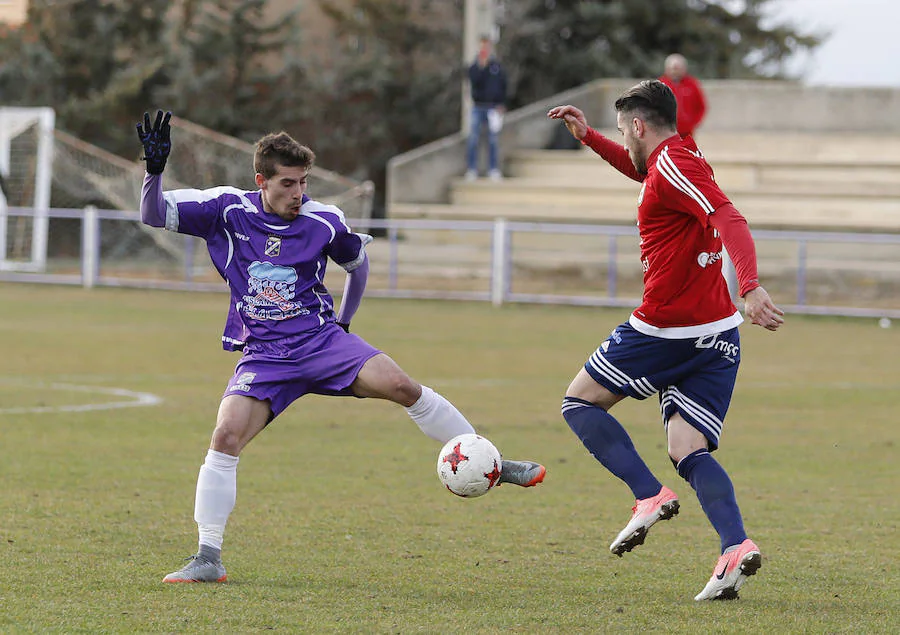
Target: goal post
{"x":26,"y":167}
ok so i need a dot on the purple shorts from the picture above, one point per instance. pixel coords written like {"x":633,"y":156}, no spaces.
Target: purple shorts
{"x":324,"y":361}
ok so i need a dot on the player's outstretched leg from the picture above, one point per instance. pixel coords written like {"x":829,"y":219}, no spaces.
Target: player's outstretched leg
{"x":198,"y":569}
{"x":522,"y":473}
{"x":440,"y":420}
{"x":645,"y":513}
{"x":437,"y":417}
{"x":731,"y":571}
{"x":609,"y":443}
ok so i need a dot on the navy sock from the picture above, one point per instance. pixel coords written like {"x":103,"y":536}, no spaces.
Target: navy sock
{"x":607,"y":441}
{"x":716,"y":495}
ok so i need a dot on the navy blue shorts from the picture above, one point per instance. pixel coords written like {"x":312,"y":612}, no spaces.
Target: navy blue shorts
{"x":693,"y":377}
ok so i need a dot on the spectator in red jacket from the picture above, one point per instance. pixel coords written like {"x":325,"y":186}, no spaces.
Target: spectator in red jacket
{"x":688,"y":94}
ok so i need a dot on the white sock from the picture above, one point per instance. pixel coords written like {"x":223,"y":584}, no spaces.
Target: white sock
{"x":216,"y":494}
{"x":437,"y":417}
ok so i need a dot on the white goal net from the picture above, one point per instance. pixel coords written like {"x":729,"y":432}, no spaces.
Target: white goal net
{"x":26,"y":164}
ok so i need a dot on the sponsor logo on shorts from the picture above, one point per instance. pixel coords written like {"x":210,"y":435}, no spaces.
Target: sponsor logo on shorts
{"x":616,"y":336}
{"x":243,"y":382}
{"x":729,"y":351}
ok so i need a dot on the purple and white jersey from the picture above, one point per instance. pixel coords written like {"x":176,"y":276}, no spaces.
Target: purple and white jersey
{"x":274,"y":268}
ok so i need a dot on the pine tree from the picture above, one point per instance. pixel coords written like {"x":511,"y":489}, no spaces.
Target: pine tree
{"x":229,"y":69}
{"x":394,"y":82}
{"x":553,"y":45}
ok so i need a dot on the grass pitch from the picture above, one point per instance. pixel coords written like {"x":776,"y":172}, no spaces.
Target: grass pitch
{"x":341,"y":524}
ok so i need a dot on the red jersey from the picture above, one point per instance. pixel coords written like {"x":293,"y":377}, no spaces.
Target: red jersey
{"x":691,"y":102}
{"x":685,"y":293}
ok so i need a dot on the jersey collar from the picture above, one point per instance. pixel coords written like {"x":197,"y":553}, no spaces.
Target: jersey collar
{"x":651,"y":160}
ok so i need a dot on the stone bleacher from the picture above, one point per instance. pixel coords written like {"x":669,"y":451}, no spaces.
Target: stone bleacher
{"x":778,"y":181}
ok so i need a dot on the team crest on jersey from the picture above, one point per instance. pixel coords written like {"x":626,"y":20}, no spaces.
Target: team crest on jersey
{"x":641,"y":195}
{"x":273,"y":245}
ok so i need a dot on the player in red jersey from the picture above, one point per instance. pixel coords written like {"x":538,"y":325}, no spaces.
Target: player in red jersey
{"x":682,"y":342}
{"x":688,"y":93}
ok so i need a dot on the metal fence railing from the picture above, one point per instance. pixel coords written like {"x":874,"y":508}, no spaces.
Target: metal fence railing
{"x":817,"y":273}
{"x":44,"y":167}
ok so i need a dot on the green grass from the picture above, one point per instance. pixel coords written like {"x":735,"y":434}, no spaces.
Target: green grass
{"x":341,"y":524}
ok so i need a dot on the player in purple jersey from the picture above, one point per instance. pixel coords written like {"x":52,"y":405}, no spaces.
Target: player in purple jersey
{"x":271,"y":247}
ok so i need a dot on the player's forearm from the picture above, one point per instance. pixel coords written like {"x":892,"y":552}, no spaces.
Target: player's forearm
{"x":613,"y":153}
{"x":153,"y":205}
{"x":738,"y":241}
{"x":354,"y":288}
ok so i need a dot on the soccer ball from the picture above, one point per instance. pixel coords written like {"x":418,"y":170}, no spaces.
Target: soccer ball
{"x":469,"y":465}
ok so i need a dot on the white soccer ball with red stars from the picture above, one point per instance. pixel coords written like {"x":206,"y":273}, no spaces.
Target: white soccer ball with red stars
{"x":469,"y":465}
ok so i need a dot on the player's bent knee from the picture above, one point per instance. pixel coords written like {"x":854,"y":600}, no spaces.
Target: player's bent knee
{"x":404,"y":390}
{"x":389,"y":383}
{"x":685,"y":447}
{"x":231,"y":435}
{"x":227,"y":440}
{"x":679,"y":451}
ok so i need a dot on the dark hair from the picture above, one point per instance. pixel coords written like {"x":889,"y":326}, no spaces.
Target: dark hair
{"x":280,"y":149}
{"x":653,"y":101}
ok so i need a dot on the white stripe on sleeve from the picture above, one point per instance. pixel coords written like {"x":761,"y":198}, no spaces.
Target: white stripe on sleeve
{"x":673,"y":175}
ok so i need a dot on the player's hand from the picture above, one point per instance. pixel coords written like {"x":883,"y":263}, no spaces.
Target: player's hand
{"x":157,"y":141}
{"x":573,"y":118}
{"x":759,"y":308}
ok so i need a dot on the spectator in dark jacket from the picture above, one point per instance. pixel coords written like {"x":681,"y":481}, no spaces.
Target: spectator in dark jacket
{"x":688,"y":94}
{"x":488,"y":84}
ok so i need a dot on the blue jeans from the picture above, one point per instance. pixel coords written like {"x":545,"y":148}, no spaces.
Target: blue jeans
{"x":479,"y":121}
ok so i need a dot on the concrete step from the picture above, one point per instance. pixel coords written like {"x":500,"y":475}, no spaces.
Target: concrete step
{"x":527,"y":191}
{"x":761,"y":211}
{"x":537,"y":213}
{"x":803,"y":147}
{"x":574,"y":167}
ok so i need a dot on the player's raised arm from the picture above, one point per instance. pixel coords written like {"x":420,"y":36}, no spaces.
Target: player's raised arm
{"x":573,"y":118}
{"x":613,"y":153}
{"x":157,"y":142}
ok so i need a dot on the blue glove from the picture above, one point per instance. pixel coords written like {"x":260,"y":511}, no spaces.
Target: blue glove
{"x":156,"y":140}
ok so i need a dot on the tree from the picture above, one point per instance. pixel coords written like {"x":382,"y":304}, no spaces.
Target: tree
{"x":386,"y":78}
{"x":94,"y":61}
{"x":101,"y":63}
{"x":393,"y":82}
{"x":229,"y":69}
{"x":552,"y":45}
